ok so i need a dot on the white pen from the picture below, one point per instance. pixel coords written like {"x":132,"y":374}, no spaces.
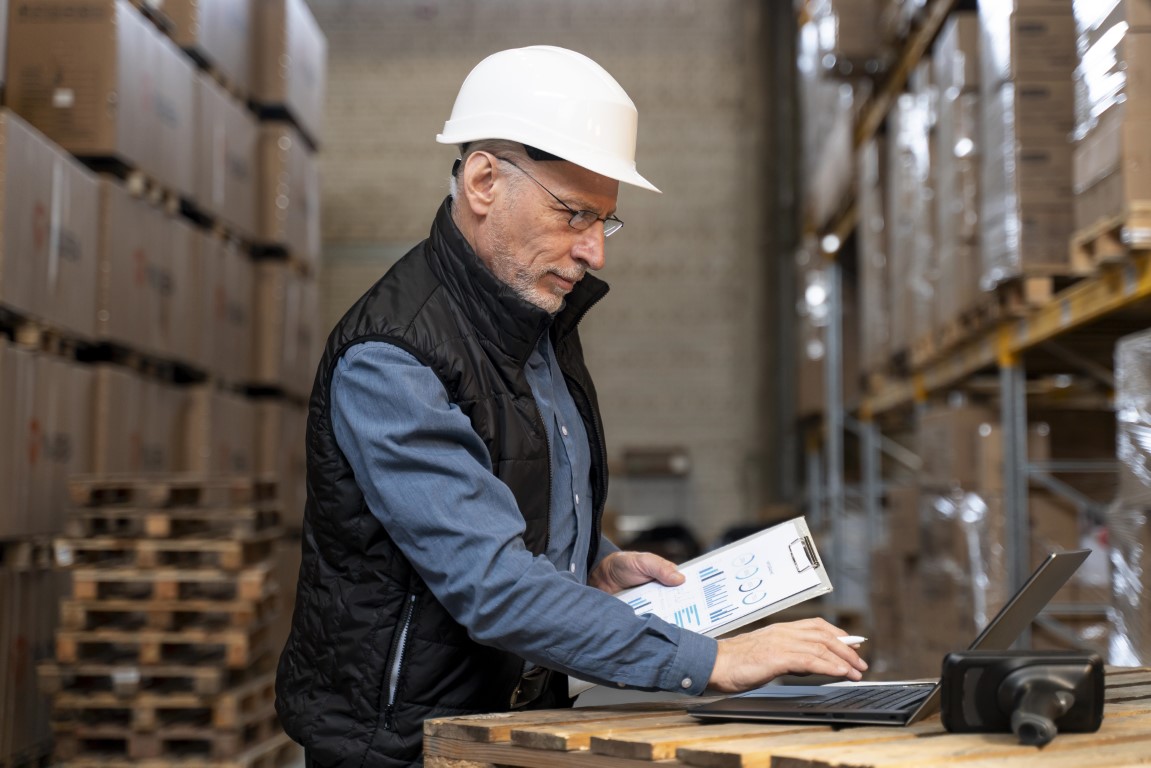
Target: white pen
{"x":852,"y":639}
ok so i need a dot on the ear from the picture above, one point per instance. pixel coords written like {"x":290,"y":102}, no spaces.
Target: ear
{"x":479,"y":181}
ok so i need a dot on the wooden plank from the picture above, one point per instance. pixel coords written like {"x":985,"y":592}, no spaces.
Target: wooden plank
{"x":662,"y":743}
{"x":759,"y":752}
{"x":567,"y":737}
{"x":942,"y":748}
{"x":498,"y":726}
{"x":506,"y":754}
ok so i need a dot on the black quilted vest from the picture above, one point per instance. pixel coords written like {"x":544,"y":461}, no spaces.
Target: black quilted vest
{"x":356,"y":589}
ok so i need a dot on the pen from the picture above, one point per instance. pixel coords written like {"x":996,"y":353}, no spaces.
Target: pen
{"x":852,"y":639}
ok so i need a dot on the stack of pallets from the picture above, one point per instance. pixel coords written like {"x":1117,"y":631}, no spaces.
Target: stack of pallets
{"x":163,"y":652}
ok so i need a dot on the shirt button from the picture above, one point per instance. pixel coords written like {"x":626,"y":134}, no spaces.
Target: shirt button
{"x":577,"y":498}
{"x":564,"y":430}
{"x":573,"y":568}
{"x":685,"y":683}
{"x":621,"y":685}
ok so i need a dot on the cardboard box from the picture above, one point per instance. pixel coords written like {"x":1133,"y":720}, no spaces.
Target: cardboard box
{"x":217,"y":33}
{"x":903,"y":519}
{"x":874,"y":308}
{"x":1111,"y":168}
{"x":289,"y":194}
{"x":101,"y":81}
{"x":285,"y":329}
{"x":949,"y":445}
{"x":117,"y":420}
{"x":1018,"y":43}
{"x":281,"y":428}
{"x":218,"y":431}
{"x":230,"y":308}
{"x":226,"y":141}
{"x":145,"y":295}
{"x":48,"y":223}
{"x":17,"y":406}
{"x":290,"y":64}
{"x":812,"y":353}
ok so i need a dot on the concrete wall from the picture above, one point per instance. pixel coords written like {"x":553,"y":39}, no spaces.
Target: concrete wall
{"x":678,"y":347}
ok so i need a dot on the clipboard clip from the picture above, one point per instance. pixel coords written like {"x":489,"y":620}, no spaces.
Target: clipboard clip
{"x":803,"y":554}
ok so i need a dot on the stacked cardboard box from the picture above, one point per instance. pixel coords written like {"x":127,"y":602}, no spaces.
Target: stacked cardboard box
{"x":1027,"y":57}
{"x":289,"y":69}
{"x":102,"y":82}
{"x":280,"y":431}
{"x":43,"y":411}
{"x":910,"y":214}
{"x":957,"y":152}
{"x":874,"y":280}
{"x":1112,"y":106}
{"x":851,"y":42}
{"x":286,"y":331}
{"x":827,"y":108}
{"x":226,"y":141}
{"x":218,"y":432}
{"x":217,"y":33}
{"x":48,"y":224}
{"x":288,"y":194}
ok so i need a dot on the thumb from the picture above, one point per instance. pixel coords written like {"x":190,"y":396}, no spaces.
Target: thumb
{"x":662,"y":570}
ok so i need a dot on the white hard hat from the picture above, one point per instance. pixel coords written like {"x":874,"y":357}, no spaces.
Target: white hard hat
{"x":555,"y":100}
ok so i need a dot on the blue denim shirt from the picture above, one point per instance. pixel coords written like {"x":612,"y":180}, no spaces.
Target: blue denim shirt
{"x":426,"y":475}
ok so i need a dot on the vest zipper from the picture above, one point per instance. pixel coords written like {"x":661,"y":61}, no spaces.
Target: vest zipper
{"x":397,"y":662}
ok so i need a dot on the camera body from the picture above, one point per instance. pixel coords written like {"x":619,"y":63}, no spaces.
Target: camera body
{"x":1033,"y":693}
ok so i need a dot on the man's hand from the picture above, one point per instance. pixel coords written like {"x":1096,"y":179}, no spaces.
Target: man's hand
{"x":621,"y":570}
{"x":809,"y":646}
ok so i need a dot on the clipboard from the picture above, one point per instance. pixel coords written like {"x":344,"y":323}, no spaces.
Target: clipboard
{"x":733,"y":586}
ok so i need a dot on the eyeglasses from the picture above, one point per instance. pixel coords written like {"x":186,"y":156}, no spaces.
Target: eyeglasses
{"x":580,"y":220}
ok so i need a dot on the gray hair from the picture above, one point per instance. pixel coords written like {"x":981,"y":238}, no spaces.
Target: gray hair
{"x":497,"y":147}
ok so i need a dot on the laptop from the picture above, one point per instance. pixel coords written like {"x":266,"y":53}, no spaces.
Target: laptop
{"x":900,"y":703}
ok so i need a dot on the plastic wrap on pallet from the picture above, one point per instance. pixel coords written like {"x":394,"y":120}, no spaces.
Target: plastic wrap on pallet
{"x":958,"y":142}
{"x":909,"y":205}
{"x":874,"y":304}
{"x":1027,"y":56}
{"x":850,"y":42}
{"x":826,"y":110}
{"x":961,"y":562}
{"x":1108,"y":34}
{"x":1127,"y":523}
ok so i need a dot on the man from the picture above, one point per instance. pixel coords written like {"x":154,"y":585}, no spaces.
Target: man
{"x":452,"y":556}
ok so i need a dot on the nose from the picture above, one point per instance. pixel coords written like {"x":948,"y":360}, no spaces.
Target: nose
{"x":589,"y":247}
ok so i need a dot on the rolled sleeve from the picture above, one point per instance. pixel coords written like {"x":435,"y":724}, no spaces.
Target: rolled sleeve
{"x":426,"y":476}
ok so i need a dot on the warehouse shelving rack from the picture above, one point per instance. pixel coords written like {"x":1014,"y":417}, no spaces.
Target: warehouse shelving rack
{"x":1065,"y":334}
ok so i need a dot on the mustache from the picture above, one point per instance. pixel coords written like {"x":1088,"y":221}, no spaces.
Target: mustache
{"x":574,"y":275}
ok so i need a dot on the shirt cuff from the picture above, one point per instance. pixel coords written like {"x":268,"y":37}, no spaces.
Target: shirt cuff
{"x":693,"y":664}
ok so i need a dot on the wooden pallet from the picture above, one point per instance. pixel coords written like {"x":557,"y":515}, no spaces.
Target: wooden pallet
{"x":276,"y":751}
{"x":172,"y":583}
{"x":233,"y":709}
{"x":180,"y":490}
{"x":129,"y":680}
{"x":663,"y":734}
{"x":226,"y":553}
{"x":234,"y":648}
{"x":82,"y":741}
{"x":1110,"y":240}
{"x":237,"y":521}
{"x":171,"y":615}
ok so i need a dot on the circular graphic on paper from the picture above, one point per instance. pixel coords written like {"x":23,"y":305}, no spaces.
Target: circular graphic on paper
{"x":751,"y":586}
{"x":744,"y":559}
{"x":753,"y":598}
{"x":747,"y":573}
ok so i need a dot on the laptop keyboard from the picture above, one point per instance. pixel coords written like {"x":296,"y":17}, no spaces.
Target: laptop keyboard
{"x":887,"y":697}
